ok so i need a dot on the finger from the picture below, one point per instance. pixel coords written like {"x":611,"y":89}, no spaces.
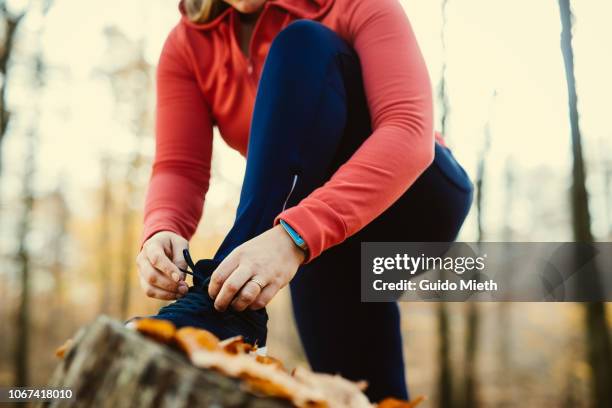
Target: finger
{"x":157,"y":279}
{"x":218,"y":277}
{"x":157,"y":293}
{"x":231,"y":286}
{"x":157,"y":257}
{"x":265,"y":296}
{"x":246,"y":296}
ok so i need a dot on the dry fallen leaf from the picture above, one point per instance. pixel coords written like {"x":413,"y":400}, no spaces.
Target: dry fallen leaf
{"x":272,"y":389}
{"x":266,"y":387}
{"x":61,"y":351}
{"x":160,"y":330}
{"x":235,"y":345}
{"x":260,"y":377}
{"x":337,"y":391}
{"x":270,"y":361}
{"x":262,"y":374}
{"x":191,"y":339}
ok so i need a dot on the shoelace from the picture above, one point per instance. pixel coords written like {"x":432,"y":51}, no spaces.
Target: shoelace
{"x":196,"y":308}
{"x":190,"y":263}
{"x":198,"y":278}
{"x":249,"y":323}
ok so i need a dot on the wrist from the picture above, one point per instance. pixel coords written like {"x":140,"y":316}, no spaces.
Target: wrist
{"x":296,"y":251}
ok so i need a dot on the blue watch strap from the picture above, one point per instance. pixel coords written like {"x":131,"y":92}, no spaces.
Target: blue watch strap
{"x":297,"y":239}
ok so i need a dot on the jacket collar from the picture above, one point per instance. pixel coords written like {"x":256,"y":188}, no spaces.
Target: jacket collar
{"x":308,"y":9}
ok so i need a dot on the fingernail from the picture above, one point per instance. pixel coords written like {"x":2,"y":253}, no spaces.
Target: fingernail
{"x":175,"y":276}
{"x":182,"y":289}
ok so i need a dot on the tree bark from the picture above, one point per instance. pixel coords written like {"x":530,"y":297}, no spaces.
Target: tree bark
{"x":112,"y":366}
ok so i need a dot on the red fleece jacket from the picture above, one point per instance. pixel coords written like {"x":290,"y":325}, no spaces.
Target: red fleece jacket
{"x":204,"y":79}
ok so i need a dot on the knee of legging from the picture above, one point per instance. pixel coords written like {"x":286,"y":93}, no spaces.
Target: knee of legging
{"x":307,"y":41}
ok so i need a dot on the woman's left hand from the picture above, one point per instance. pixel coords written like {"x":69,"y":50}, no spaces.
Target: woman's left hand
{"x":270,"y":260}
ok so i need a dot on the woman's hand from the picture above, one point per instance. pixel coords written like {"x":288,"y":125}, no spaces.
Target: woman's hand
{"x":158,"y":266}
{"x":270,"y":260}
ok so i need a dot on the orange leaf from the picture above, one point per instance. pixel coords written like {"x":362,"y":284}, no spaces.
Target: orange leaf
{"x":160,"y":330}
{"x":191,"y":339}
{"x":267,"y":360}
{"x":61,"y":351}
{"x":235,"y":345}
{"x":267,"y":387}
{"x":263,"y":378}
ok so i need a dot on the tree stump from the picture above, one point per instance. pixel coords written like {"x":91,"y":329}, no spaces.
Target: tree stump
{"x":109,"y":365}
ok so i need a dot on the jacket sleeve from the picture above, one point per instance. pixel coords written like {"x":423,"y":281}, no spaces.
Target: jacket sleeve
{"x":401,"y":147}
{"x":181,"y":168}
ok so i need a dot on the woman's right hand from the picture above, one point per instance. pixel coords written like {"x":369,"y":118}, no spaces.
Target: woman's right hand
{"x":158,"y":266}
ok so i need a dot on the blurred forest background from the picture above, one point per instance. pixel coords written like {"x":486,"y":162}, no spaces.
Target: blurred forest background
{"x":523,"y":99}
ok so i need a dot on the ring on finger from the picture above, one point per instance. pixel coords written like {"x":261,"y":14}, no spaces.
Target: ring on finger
{"x":257,"y":282}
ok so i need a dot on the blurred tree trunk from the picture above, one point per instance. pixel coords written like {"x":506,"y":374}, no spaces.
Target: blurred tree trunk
{"x":504,"y":331}
{"x":597,"y":331}
{"x":58,"y":249}
{"x":470,"y":381}
{"x":128,"y":246}
{"x":104,"y":262}
{"x":22,"y":326}
{"x":7,"y":41}
{"x":23,"y":318}
{"x":22,"y":333}
{"x":469,"y":386}
{"x":11,"y":23}
{"x":445,"y":387}
{"x":445,"y":372}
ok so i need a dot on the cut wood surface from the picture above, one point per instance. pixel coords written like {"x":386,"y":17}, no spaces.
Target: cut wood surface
{"x":109,"y":365}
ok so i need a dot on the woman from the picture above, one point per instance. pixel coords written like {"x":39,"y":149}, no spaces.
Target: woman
{"x":338,"y":122}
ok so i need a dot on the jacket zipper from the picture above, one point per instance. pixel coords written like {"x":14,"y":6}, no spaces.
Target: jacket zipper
{"x":295,"y":179}
{"x":249,"y":57}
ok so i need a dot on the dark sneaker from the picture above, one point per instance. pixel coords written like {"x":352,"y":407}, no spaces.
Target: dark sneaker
{"x":197,"y":309}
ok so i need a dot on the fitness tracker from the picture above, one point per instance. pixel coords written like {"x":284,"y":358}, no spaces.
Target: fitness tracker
{"x":297,"y":239}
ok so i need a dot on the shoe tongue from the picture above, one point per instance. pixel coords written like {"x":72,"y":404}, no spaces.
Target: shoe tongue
{"x":203,"y":270}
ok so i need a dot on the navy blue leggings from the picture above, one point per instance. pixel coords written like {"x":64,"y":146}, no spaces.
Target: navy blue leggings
{"x":310,"y":115}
